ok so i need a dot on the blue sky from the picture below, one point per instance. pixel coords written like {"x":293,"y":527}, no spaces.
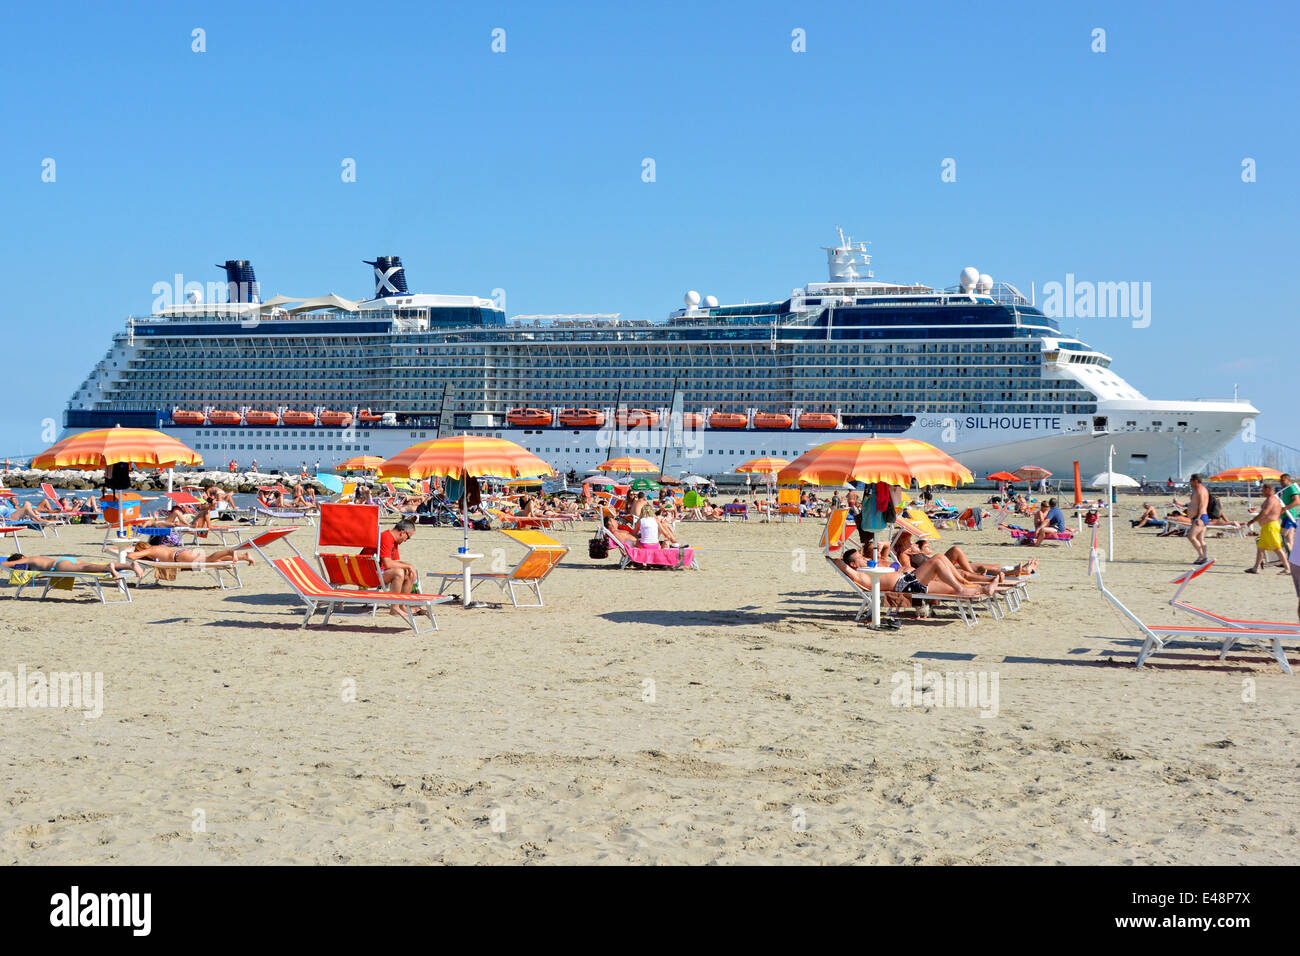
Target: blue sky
{"x":522,"y":170}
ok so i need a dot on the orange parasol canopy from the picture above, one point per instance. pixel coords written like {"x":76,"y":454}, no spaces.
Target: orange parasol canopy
{"x":1247,"y":473}
{"x":105,"y":447}
{"x":1031,"y":473}
{"x":462,"y":455}
{"x":761,"y":466}
{"x":628,"y":465}
{"x":1003,"y":476}
{"x":897,"y":461}
{"x":361,"y":463}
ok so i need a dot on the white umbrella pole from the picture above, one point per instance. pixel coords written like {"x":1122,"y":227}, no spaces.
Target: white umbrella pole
{"x":171,"y":473}
{"x":1110,"y":502}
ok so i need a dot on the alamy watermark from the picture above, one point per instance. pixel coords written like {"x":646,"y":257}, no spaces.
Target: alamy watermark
{"x":922,"y":688}
{"x":1083,"y":299}
{"x":58,"y":689}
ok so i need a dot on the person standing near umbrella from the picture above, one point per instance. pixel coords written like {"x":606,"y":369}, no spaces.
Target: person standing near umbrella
{"x":1288,"y":492}
{"x":1270,"y":531}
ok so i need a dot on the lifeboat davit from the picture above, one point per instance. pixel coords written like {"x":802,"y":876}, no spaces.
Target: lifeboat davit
{"x":529,"y":417}
{"x":223,"y":418}
{"x":366,"y":415}
{"x":770,"y":420}
{"x":727,"y":420}
{"x":692,"y":420}
{"x":336,"y":419}
{"x":298,"y":418}
{"x":818,"y":420}
{"x":582,"y":418}
{"x":182,"y":417}
{"x":254,"y":417}
{"x":638,"y":418}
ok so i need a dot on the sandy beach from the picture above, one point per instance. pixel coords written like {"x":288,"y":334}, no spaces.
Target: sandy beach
{"x":735,"y":714}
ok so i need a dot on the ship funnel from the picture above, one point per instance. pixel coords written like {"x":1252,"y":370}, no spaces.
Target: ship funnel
{"x":390,"y":277}
{"x":241,"y":284}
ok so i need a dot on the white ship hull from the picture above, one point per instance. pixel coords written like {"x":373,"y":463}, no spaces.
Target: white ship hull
{"x":1156,"y":446}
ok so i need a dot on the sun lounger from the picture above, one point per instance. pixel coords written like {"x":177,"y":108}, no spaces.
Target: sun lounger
{"x":966,"y":607}
{"x":1227,"y":632}
{"x":652,"y":557}
{"x":542,"y":556}
{"x":68,"y":580}
{"x":271,"y":515}
{"x":316,"y":594}
{"x":1177,"y":526}
{"x":734,"y":510}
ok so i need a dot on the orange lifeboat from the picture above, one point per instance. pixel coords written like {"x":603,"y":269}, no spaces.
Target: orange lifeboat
{"x":769,"y":420}
{"x":366,"y":415}
{"x":336,"y":419}
{"x":529,"y":417}
{"x":254,"y":417}
{"x":818,"y":420}
{"x":692,"y":420}
{"x":638,"y":418}
{"x":727,"y":420}
{"x":298,"y":418}
{"x":182,"y":417}
{"x":223,"y":418}
{"x":582,"y":418}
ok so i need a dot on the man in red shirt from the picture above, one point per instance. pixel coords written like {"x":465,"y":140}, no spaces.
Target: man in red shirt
{"x":397,"y":574}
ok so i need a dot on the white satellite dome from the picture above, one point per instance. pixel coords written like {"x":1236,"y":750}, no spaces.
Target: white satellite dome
{"x":969,"y":276}
{"x":692,"y":299}
{"x":710,"y":301}
{"x":193,"y":297}
{"x":985,"y":284}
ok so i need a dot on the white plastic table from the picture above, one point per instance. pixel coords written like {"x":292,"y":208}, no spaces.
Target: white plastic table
{"x":466,"y":558}
{"x":876,"y":573}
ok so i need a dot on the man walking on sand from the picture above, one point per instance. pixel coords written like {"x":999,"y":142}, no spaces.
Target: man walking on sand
{"x":1197,"y":511}
{"x":1288,"y":492}
{"x":1270,"y":531}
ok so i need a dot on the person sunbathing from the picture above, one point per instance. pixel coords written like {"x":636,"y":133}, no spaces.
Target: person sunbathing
{"x":155,"y":550}
{"x":11,"y":513}
{"x":912,"y":555}
{"x":934,"y":577}
{"x":999,"y":571}
{"x":35,"y":562}
{"x":173,"y":517}
{"x":1148,"y":519}
{"x":627,"y":537}
{"x":299,"y":499}
{"x":53,"y":506}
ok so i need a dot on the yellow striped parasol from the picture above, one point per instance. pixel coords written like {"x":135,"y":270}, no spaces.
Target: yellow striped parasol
{"x":628,"y":465}
{"x":361,"y":463}
{"x":896,"y":461}
{"x":105,"y":447}
{"x":1247,"y":473}
{"x":761,"y":466}
{"x":465,"y":455}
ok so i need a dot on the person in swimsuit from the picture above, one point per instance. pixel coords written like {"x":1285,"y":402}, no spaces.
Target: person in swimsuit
{"x":1270,"y":531}
{"x":1149,"y":518}
{"x":1197,"y":508}
{"x":10,"y":512}
{"x":148,"y":551}
{"x":34,"y":562}
{"x":936,"y":576}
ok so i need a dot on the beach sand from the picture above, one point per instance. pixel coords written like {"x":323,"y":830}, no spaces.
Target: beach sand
{"x":767,"y":734}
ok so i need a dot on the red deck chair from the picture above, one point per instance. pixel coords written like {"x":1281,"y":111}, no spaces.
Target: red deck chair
{"x":349,"y":526}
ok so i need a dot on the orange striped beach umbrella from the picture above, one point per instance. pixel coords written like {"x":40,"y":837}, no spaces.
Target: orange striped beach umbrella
{"x":628,"y":465}
{"x":761,"y":466}
{"x":896,"y":461}
{"x":1248,"y":473}
{"x":105,"y":447}
{"x":361,"y":463}
{"x":465,"y":456}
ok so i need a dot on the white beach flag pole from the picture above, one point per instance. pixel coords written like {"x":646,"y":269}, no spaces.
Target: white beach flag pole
{"x":1110,"y":502}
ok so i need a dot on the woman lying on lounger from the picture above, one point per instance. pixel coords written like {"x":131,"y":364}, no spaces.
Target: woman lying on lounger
{"x":35,"y":562}
{"x":932,"y":577}
{"x":972,"y":572}
{"x":155,"y":550}
{"x":10,"y":512}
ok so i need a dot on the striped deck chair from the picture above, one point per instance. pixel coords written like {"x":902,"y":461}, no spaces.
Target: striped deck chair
{"x":652,"y":557}
{"x":838,"y":530}
{"x":787,"y":503}
{"x":319,"y":595}
{"x":1267,"y":634}
{"x":540,"y":559}
{"x":349,"y":526}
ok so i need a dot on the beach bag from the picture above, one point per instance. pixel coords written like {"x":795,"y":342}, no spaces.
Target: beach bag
{"x":598,"y":547}
{"x":1090,"y":518}
{"x":1213,"y":508}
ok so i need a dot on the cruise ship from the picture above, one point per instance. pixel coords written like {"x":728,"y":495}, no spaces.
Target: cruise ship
{"x":975,"y":369}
